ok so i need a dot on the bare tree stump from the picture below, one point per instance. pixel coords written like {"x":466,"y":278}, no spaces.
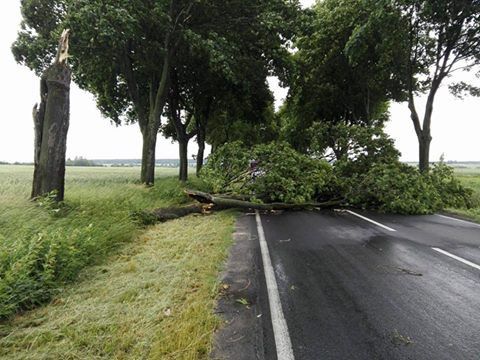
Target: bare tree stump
{"x":51,"y":121}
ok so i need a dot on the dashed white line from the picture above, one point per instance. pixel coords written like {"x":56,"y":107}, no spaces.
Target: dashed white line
{"x":279,"y":324}
{"x":371,"y":221}
{"x":459,"y":220}
{"x":469,"y":263}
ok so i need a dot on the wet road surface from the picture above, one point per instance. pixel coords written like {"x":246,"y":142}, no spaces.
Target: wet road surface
{"x":350,"y":289}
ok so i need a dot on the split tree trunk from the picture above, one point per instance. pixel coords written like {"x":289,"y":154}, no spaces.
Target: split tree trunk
{"x":51,"y":122}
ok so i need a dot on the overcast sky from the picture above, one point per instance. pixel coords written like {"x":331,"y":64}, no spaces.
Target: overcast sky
{"x":456,"y":125}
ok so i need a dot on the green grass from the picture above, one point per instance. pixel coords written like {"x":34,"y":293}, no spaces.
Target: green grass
{"x":43,"y":247}
{"x":470,"y":178}
{"x":86,"y":282}
{"x":153,"y":300}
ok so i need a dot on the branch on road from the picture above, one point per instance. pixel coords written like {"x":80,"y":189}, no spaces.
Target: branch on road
{"x":208,"y":203}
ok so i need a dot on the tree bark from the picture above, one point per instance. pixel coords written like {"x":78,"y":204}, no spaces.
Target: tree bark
{"x":51,"y":121}
{"x":201,"y":147}
{"x":424,"y":151}
{"x":424,"y":132}
{"x":183,"y":152}
{"x":147,"y":176}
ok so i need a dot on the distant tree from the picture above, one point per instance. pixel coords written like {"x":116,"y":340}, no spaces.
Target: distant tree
{"x":80,"y":161}
{"x":249,"y":119}
{"x":442,"y":37}
{"x":344,"y":76}
{"x":225,"y":66}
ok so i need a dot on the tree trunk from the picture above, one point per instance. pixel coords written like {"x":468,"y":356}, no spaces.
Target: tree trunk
{"x":209,"y":203}
{"x":201,"y":148}
{"x":183,"y":151}
{"x":148,"y":156}
{"x":424,"y":151}
{"x":52,"y":120}
{"x":229,"y":202}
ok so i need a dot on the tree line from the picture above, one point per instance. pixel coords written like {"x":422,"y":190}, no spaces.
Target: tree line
{"x":198,"y":68}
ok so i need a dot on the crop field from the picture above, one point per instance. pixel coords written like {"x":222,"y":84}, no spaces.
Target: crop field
{"x":85,"y":281}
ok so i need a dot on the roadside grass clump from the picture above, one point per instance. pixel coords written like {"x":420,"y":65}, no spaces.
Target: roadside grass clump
{"x":278,"y":174}
{"x":43,"y":246}
{"x":153,"y":298}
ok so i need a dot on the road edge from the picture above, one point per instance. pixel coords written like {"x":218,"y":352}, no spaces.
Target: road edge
{"x":241,"y":335}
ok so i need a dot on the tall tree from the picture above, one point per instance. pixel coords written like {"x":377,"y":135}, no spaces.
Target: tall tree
{"x":225,"y":64}
{"x":442,"y":37}
{"x":122,"y":52}
{"x":343,"y":76}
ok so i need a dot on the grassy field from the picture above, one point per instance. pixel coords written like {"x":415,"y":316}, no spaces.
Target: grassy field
{"x":139,"y":293}
{"x":470,"y":177}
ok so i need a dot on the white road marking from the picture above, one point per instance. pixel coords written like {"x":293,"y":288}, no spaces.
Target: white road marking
{"x":459,"y":220}
{"x":469,"y":263}
{"x":279,"y":324}
{"x":370,"y":220}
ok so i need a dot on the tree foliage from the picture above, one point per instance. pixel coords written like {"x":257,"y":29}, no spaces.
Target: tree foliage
{"x":124,"y":52}
{"x":279,"y":173}
{"x":344,"y":75}
{"x":402,"y":189}
{"x":436,"y":38}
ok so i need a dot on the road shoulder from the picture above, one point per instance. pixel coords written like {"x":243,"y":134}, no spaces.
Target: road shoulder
{"x":241,"y":336}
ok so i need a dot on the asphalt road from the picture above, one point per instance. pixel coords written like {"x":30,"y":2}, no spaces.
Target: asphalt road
{"x":350,"y":289}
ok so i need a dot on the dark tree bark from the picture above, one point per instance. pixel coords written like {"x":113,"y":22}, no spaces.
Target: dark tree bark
{"x":183,"y":152}
{"x":181,"y":126}
{"x":423,"y":131}
{"x":147,"y":175}
{"x":201,"y":148}
{"x":202,"y":123}
{"x":51,"y":121}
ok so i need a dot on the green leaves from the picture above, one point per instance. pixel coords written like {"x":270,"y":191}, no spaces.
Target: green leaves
{"x":402,"y":189}
{"x":268,"y":173}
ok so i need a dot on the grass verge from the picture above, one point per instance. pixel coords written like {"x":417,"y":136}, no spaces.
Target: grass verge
{"x":153,"y":300}
{"x":42,"y":248}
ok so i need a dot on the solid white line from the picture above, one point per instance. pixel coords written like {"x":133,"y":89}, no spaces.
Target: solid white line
{"x":462,"y":221}
{"x":279,"y":324}
{"x":370,"y":220}
{"x":469,"y":263}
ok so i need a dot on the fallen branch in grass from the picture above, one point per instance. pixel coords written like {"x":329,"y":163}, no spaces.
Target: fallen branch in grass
{"x":208,"y":203}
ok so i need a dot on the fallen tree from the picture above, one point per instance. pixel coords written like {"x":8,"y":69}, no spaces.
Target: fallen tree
{"x":229,"y":202}
{"x":208,"y":203}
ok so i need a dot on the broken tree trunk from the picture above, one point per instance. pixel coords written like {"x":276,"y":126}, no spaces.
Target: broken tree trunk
{"x":228,"y":202}
{"x":209,"y":203}
{"x":51,"y":121}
